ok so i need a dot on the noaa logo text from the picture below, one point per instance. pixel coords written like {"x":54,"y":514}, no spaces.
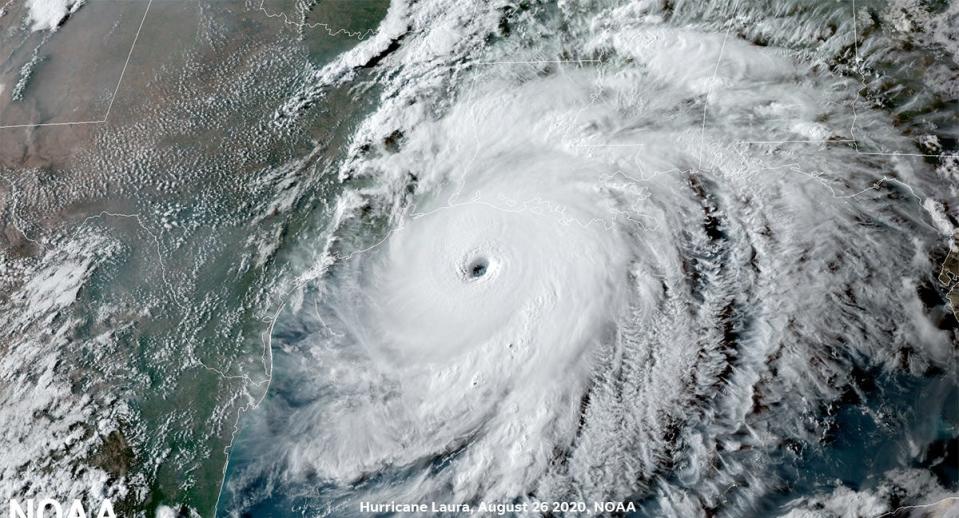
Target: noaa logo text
{"x":50,"y":508}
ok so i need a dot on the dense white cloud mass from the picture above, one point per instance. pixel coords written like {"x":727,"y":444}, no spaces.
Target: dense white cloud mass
{"x":644,"y":265}
{"x":47,"y":14}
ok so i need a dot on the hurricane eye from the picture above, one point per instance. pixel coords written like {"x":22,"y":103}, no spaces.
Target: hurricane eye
{"x":477,"y":268}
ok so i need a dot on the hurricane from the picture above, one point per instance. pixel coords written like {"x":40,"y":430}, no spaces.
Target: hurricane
{"x":631,"y":253}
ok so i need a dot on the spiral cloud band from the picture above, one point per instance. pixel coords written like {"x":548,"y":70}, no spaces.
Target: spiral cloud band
{"x":646,"y":262}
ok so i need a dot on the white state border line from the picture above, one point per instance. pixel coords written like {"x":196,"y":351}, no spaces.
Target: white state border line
{"x":115,"y":90}
{"x":920,"y":506}
{"x":537,"y":62}
{"x":855,"y":102}
{"x":359,"y":35}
